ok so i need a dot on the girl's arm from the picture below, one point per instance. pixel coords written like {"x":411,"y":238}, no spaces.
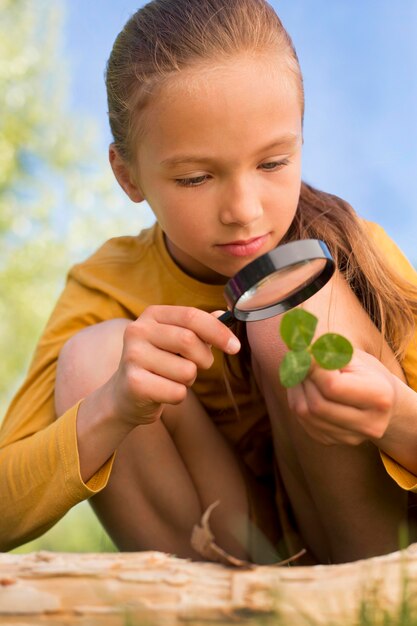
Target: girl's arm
{"x":158,"y":356}
{"x":49,"y":464}
{"x":364,"y":401}
{"x":368,"y":400}
{"x":39,"y":466}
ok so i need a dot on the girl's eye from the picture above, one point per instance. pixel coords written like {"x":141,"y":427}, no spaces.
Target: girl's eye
{"x":194,"y":181}
{"x":272,"y":166}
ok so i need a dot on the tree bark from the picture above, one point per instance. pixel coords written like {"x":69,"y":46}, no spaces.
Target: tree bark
{"x":152,"y":588}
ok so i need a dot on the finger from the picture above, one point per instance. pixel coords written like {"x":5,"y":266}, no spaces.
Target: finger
{"x":325,"y":422}
{"x":357,"y":421}
{"x":162,"y":363}
{"x":208,"y":328}
{"x":315,"y":417}
{"x":296,"y":400}
{"x":150,"y":388}
{"x":184,"y":342}
{"x":325,"y":432}
{"x":357,"y":387}
{"x":171,"y":339}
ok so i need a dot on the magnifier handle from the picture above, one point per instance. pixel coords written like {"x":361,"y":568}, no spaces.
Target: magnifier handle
{"x":227,"y":319}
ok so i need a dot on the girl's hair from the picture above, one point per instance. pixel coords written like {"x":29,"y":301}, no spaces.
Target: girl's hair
{"x":167,"y":36}
{"x":389,"y":300}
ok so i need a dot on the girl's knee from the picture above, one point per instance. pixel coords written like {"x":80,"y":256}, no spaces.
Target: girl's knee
{"x":267,"y":349}
{"x":87,"y":360}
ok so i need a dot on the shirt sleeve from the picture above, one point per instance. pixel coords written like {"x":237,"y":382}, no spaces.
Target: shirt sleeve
{"x":40,"y":481}
{"x":399,"y":263}
{"x":39,"y":465}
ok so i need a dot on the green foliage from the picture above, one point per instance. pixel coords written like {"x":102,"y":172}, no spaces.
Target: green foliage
{"x":298,"y":328}
{"x":331,"y":351}
{"x":58,"y":201}
{"x":79,"y":531}
{"x":373,"y":612}
{"x":294,"y":367}
{"x":58,"y":198}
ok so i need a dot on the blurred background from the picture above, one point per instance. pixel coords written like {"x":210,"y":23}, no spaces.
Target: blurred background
{"x":59,"y":201}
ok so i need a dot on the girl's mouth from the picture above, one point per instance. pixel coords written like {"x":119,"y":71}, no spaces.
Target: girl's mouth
{"x":242,"y":248}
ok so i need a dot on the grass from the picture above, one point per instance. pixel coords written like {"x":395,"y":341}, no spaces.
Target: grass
{"x":371,"y":612}
{"x":78,"y":531}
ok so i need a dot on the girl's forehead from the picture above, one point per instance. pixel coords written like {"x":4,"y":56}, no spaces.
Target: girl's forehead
{"x":227,"y":121}
{"x":214,"y":77}
{"x":248,"y":91}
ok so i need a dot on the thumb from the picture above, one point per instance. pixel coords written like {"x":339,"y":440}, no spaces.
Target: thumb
{"x":225,"y":317}
{"x":218,"y":313}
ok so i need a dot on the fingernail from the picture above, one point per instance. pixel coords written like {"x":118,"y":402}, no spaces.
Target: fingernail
{"x":233,"y":345}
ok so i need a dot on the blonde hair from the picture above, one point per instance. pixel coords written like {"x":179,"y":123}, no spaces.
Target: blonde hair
{"x":167,"y":36}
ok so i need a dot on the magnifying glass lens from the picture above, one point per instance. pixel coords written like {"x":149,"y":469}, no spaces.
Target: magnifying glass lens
{"x":280,"y":285}
{"x":277,"y":281}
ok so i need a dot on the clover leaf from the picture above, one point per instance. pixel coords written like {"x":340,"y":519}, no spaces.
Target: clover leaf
{"x":331,"y":351}
{"x":298,"y":328}
{"x":294,"y":367}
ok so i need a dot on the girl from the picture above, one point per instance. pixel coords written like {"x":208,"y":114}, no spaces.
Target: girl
{"x":127,"y":401}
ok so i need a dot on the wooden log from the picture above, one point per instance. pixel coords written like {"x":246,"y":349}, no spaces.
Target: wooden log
{"x":152,"y":588}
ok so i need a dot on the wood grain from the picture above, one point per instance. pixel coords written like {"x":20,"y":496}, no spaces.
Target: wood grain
{"x":152,"y":588}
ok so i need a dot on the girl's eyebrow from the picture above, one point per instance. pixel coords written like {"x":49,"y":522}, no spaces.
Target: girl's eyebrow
{"x":288,"y":141}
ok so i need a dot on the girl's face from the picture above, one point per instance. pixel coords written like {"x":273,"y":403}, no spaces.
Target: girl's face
{"x":219,"y":162}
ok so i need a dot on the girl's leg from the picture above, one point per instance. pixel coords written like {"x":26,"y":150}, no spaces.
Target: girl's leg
{"x":344,"y":503}
{"x":165,"y":475}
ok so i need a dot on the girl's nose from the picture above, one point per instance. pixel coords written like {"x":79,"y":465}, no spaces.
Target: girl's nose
{"x":240,"y":204}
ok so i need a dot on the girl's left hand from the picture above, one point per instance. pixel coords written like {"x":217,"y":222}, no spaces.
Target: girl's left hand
{"x":347,"y":406}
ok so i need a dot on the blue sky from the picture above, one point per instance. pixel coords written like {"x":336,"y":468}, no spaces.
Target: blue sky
{"x":359,"y":60}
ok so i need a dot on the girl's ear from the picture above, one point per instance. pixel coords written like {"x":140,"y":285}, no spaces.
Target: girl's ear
{"x":123,"y":175}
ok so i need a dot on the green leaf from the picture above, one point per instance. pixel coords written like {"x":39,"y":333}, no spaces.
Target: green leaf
{"x":294,"y":367}
{"x":297,"y":328}
{"x":332,"y":351}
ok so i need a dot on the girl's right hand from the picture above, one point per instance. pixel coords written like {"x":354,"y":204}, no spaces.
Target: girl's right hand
{"x":162,"y":351}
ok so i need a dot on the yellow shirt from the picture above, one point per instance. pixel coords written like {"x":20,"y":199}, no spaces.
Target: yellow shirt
{"x":39,"y":466}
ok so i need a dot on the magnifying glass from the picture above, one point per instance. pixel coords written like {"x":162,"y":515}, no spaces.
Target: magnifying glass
{"x":277,"y":281}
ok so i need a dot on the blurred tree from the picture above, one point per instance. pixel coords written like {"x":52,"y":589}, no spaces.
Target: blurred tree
{"x":53,"y":182}
{"x":58,"y":201}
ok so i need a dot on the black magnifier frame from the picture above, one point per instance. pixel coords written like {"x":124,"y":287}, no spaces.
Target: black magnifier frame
{"x":286,"y":257}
